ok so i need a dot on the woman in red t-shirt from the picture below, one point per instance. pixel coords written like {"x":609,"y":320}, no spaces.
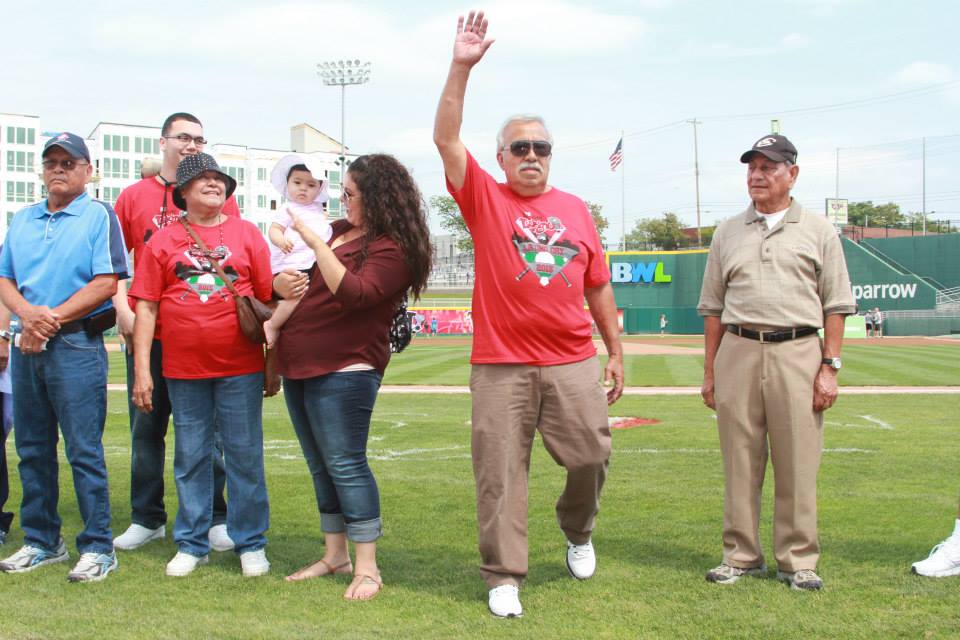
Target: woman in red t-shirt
{"x":214,"y":374}
{"x":334,"y":348}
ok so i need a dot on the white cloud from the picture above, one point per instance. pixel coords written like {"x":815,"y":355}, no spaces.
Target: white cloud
{"x":795,"y":40}
{"x":923,"y":72}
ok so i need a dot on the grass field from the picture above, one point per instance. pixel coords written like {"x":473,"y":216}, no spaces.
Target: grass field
{"x":445,"y":361}
{"x":888,"y":492}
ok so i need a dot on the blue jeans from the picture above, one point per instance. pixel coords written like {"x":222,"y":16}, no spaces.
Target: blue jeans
{"x":148,"y":448}
{"x":6,"y":415}
{"x":230,"y":407}
{"x":66,"y":384}
{"x":331,"y":415}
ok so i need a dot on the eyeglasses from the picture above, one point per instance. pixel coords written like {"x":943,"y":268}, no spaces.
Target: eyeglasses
{"x":348,"y":195}
{"x":67,"y":165}
{"x":186,"y":138}
{"x":521,"y":148}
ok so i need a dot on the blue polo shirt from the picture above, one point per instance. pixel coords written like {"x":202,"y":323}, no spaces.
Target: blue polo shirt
{"x":51,"y":256}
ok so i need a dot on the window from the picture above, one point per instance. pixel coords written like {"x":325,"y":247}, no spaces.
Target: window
{"x":333,"y":206}
{"x":10,"y":215}
{"x":240,"y":202}
{"x":273,"y":205}
{"x":137,"y":166}
{"x":126,"y":143}
{"x":30,"y":158}
{"x":116,"y":168}
{"x":30,"y":136}
{"x":263,"y":227}
{"x":110,"y":194}
{"x":20,"y":192}
{"x":11,"y":160}
{"x":334,"y":176}
{"x":138,"y":144}
{"x":106,"y":143}
{"x":21,"y":135}
{"x":261,"y":202}
{"x":236,"y":173}
{"x":10,"y":134}
{"x":261,"y":174}
{"x":126,"y":168}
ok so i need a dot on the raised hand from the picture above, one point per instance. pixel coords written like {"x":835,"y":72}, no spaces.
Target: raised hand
{"x":471,"y":44}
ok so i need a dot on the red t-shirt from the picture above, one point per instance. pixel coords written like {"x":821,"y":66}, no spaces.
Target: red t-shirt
{"x":200,"y":332}
{"x":139,"y":211}
{"x":533,"y":258}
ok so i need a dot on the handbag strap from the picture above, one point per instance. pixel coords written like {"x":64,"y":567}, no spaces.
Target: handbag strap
{"x":213,"y":261}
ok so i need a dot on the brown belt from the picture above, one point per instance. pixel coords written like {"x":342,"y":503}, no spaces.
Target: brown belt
{"x":781,"y":335}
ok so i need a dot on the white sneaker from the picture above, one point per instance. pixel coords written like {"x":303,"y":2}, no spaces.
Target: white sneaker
{"x":581,"y":560}
{"x":504,"y":601}
{"x":183,"y":564}
{"x":254,"y":563}
{"x":137,"y":535}
{"x":219,"y":539}
{"x":94,"y":567}
{"x":943,"y":561}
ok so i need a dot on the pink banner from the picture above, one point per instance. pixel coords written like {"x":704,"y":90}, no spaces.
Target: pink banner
{"x":456,"y":321}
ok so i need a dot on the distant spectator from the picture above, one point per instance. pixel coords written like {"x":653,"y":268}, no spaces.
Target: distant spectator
{"x":868,"y":321}
{"x":663,"y":323}
{"x":877,"y":323}
{"x":150,"y":168}
{"x":6,"y":420}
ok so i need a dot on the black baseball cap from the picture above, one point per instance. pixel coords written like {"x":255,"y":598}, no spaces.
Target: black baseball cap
{"x":69,"y":142}
{"x":774,"y":147}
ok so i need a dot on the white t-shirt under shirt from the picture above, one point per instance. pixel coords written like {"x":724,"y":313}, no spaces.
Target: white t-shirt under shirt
{"x":302,"y":256}
{"x":772,"y":219}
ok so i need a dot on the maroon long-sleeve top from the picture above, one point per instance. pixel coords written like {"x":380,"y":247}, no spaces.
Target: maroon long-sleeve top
{"x":329,"y":331}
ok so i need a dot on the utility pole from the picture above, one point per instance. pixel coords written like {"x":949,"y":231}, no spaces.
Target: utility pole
{"x":924,"y":179}
{"x":696,"y":174}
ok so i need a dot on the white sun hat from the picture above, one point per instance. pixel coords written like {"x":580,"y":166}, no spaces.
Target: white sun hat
{"x":278,"y":177}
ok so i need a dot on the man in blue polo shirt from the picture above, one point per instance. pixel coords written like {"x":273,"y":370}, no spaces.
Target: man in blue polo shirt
{"x":59,"y":267}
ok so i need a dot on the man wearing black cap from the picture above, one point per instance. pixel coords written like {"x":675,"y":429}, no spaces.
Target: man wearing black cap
{"x":59,"y":267}
{"x":775,"y":275}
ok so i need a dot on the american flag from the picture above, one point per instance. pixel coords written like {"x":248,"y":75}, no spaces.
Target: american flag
{"x":617,"y":156}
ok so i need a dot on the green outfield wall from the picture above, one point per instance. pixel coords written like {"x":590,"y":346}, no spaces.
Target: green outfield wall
{"x":935,"y":256}
{"x":649,"y":283}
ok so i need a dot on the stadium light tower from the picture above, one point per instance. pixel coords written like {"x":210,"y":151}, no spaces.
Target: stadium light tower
{"x":342,"y":73}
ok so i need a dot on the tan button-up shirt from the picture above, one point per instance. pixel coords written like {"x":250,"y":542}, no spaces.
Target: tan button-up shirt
{"x":790,"y":276}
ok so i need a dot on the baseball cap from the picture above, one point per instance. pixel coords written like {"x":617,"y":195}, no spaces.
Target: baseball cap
{"x":69,"y":142}
{"x":774,"y":147}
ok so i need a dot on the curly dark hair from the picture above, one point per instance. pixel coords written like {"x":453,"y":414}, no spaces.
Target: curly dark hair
{"x":392,"y":205}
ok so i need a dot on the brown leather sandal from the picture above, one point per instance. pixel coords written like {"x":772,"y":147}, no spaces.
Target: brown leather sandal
{"x":346,"y":567}
{"x":364,"y":579}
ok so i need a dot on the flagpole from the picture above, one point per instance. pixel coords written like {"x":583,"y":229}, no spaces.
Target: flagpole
{"x":623,"y":198}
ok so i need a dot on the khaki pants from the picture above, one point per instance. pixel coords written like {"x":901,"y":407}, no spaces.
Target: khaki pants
{"x":765,"y":392}
{"x":567,"y":404}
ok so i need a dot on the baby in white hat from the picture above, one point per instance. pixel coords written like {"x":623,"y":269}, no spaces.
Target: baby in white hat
{"x":305,"y":191}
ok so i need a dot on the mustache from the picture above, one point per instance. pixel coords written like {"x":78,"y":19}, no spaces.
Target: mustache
{"x":530,"y":165}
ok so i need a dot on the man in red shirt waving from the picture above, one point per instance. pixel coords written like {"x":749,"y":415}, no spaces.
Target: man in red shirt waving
{"x":538,"y":255}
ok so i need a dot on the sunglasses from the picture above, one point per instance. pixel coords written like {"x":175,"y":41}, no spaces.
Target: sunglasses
{"x":68,"y":165}
{"x":520,"y":148}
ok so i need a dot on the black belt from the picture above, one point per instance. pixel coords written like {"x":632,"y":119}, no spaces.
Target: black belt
{"x":94,"y":325}
{"x":782,"y":335}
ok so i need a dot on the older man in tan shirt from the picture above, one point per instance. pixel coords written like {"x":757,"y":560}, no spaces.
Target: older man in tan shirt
{"x":775,"y":275}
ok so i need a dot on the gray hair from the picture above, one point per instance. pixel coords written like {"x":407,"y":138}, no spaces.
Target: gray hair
{"x":522,"y":117}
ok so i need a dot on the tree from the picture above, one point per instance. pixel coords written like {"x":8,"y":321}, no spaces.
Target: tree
{"x":861,"y":214}
{"x":661,"y":233}
{"x":452,"y":221}
{"x":598,"y":218}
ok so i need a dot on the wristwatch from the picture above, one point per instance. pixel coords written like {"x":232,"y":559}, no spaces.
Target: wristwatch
{"x":834,"y":363}
{"x":6,"y":334}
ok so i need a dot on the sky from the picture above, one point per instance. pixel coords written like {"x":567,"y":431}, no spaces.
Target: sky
{"x":869,"y":78}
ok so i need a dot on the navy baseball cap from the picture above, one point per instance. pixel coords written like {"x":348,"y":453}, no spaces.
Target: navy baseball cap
{"x":775,"y":147}
{"x":69,"y":142}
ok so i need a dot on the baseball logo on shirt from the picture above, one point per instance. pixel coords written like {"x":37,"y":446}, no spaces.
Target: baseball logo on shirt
{"x":541,"y":249}
{"x":199,"y":274}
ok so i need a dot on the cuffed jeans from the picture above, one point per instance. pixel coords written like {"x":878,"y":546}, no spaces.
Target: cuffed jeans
{"x":202,"y":409}
{"x":148,"y":448}
{"x":65,"y":384}
{"x":331,"y":415}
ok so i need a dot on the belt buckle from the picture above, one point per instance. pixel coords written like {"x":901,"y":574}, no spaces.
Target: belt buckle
{"x":760,"y":333}
{"x":794,"y":334}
